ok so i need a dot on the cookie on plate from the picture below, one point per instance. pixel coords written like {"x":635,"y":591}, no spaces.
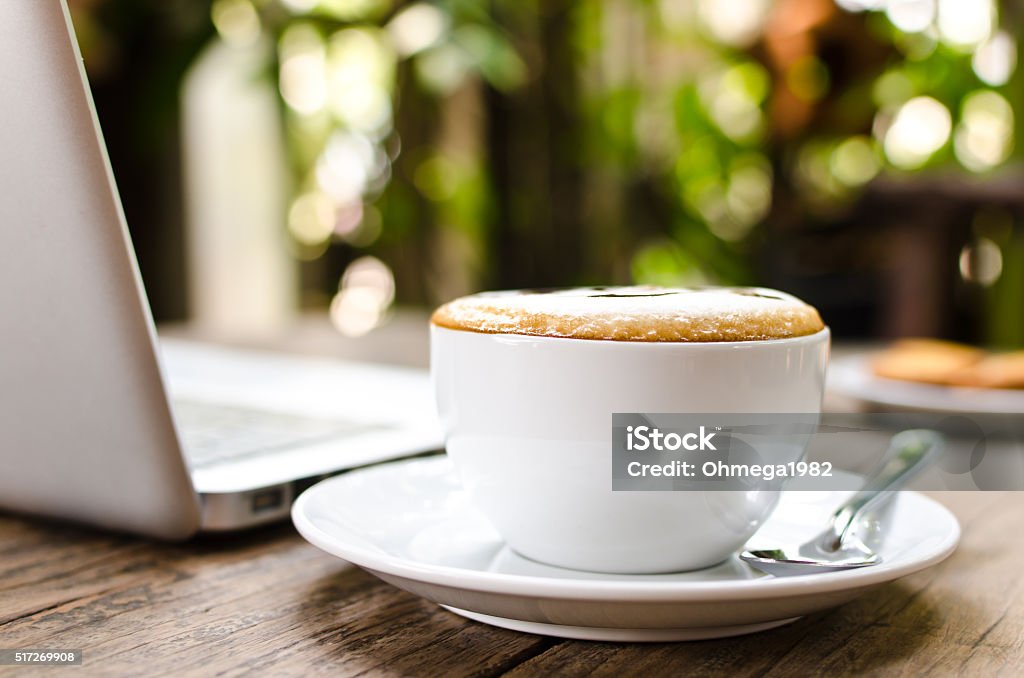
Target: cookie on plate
{"x":1002,"y":370}
{"x":929,"y":361}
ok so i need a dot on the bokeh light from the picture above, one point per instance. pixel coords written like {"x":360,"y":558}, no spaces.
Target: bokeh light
{"x":733,"y":98}
{"x":303,"y":70}
{"x":854,"y":161}
{"x":365,"y":293}
{"x":981,"y":262}
{"x":442,"y":69}
{"x":311,"y":218}
{"x":299,"y":6}
{"x":737,"y":22}
{"x":347,"y":219}
{"x":369,"y":228}
{"x":995,"y":61}
{"x":347,"y":166}
{"x":352,"y":10}
{"x":416,"y":28}
{"x":911,"y":16}
{"x":920,"y":128}
{"x":966,"y":23}
{"x":860,"y":5}
{"x":814,"y":171}
{"x":236,"y":22}
{"x":892,"y":88}
{"x":984,"y":136}
{"x":747,"y":198}
{"x":360,"y":67}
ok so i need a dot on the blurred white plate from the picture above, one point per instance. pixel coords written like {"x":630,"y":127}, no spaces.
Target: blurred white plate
{"x":410,"y":524}
{"x":851,"y":377}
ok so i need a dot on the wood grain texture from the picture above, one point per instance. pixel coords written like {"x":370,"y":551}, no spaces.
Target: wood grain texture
{"x":268,"y":603}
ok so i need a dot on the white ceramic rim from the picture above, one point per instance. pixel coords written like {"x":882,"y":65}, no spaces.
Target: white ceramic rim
{"x":703,"y":345}
{"x":590,"y":590}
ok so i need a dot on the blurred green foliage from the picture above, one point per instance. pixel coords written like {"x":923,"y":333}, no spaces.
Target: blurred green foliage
{"x":668,"y":101}
{"x":504,"y":143}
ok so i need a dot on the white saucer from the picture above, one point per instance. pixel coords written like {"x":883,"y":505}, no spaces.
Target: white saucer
{"x":409,"y":523}
{"x":851,"y":376}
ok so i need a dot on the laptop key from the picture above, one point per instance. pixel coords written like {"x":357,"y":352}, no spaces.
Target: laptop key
{"x":214,"y":433}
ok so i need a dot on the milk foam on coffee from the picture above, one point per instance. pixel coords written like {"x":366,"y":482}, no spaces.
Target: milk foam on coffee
{"x":638,"y":313}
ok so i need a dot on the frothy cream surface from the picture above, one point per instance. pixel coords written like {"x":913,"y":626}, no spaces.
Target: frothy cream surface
{"x":639,"y":313}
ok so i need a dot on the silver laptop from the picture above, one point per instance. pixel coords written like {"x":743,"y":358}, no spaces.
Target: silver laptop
{"x":97,"y":424}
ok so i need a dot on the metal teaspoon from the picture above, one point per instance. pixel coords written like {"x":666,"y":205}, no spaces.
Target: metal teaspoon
{"x":837,"y":548}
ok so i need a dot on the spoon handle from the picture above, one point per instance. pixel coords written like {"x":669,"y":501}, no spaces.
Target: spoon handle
{"x":908,"y":453}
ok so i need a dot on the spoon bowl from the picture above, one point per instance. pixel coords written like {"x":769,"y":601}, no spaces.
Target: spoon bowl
{"x":809,"y":558}
{"x":838,"y":547}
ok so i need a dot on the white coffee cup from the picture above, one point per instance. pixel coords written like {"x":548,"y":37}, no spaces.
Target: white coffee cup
{"x":528,"y":421}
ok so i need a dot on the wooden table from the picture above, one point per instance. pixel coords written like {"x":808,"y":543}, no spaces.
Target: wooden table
{"x":267,"y":602}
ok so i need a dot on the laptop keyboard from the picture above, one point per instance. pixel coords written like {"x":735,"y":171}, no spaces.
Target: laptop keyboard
{"x":216,"y":433}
